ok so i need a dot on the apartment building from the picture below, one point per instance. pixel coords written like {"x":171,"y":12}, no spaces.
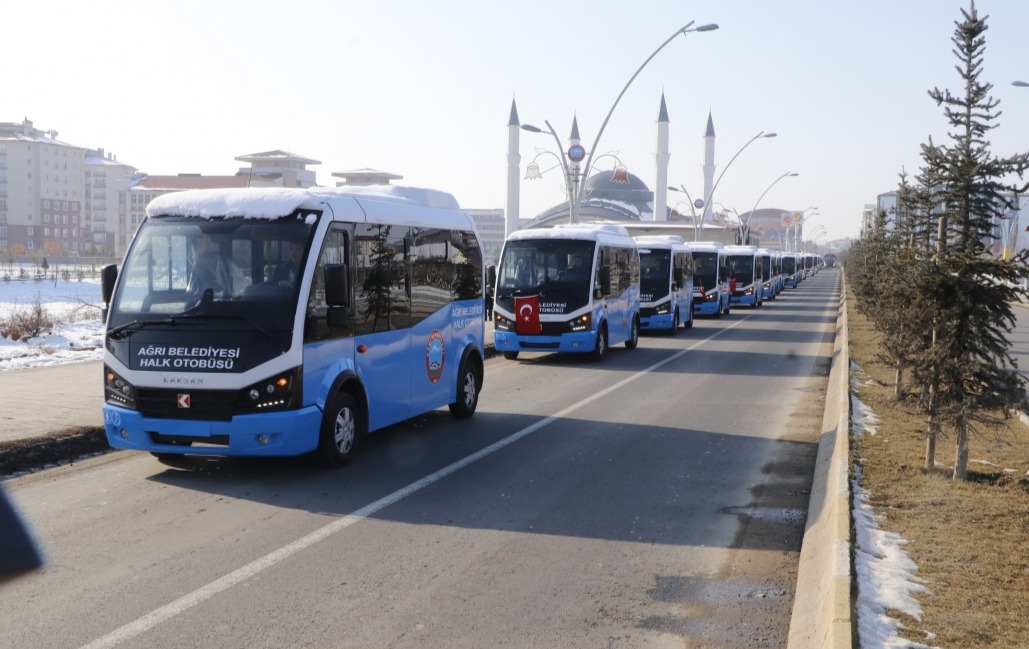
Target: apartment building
{"x":42,"y":198}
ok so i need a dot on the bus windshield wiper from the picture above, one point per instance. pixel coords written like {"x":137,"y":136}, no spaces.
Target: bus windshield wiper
{"x":121,"y":331}
{"x":517,"y":291}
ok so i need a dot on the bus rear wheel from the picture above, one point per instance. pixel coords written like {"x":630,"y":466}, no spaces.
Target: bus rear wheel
{"x":634,"y":334}
{"x":469,"y":384}
{"x":341,"y":430}
{"x":511,"y":356}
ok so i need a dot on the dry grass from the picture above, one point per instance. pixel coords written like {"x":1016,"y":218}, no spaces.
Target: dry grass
{"x":970,"y":540}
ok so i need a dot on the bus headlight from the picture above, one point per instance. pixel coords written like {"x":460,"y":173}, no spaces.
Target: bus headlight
{"x":582,"y":323}
{"x":118,"y":391}
{"x":502,"y":323}
{"x":280,"y":392}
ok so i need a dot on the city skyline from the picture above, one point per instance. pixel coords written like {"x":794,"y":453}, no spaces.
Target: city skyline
{"x":425,"y":91}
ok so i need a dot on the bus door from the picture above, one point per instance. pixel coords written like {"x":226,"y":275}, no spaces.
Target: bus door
{"x":618,"y":303}
{"x":382,"y":319}
{"x":445,"y":279}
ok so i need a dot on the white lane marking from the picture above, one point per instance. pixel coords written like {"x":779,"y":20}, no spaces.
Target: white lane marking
{"x":198,"y":596}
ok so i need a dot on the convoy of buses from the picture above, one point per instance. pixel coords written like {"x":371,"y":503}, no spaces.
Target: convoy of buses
{"x":279,"y":322}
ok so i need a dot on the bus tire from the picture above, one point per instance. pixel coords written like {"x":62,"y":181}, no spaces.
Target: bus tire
{"x":689,"y":323}
{"x":341,"y":431}
{"x":675,"y":323}
{"x":600,"y":348}
{"x":634,"y":333}
{"x":511,"y":356}
{"x":469,"y":383}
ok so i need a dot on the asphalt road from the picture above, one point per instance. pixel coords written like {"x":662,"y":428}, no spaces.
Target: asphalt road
{"x":656,"y":499}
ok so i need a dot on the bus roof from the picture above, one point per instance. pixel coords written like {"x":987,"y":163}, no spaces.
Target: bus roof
{"x":605,"y":233}
{"x":276,"y":202}
{"x":659,"y":239}
{"x":712,"y":246}
{"x":739,"y":249}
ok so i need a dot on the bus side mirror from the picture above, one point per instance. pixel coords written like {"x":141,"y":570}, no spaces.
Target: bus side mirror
{"x":337,"y":295}
{"x":679,"y":277}
{"x":605,"y":280}
{"x":491,"y":277}
{"x":337,"y":285}
{"x":108,"y":278}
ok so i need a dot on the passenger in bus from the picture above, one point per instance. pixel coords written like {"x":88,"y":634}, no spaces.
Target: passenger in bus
{"x":576,"y":269}
{"x":211,"y":272}
{"x":286,"y":273}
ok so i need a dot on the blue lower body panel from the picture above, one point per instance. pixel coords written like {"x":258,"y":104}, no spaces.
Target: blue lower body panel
{"x":707,"y":308}
{"x":291,"y":432}
{"x":661,"y":321}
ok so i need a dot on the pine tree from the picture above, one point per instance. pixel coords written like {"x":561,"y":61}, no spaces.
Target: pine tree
{"x":969,"y":292}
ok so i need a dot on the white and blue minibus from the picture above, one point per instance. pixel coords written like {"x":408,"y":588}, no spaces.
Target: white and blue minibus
{"x":769,"y":274}
{"x":666,"y":283}
{"x":745,"y":275}
{"x":570,"y":288}
{"x":710,"y":278}
{"x":792,"y":269}
{"x":276,"y":322}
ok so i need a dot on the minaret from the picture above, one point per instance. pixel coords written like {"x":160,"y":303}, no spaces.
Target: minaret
{"x":661,"y":158}
{"x":514,"y":162}
{"x":576,"y":169}
{"x":709,"y":165}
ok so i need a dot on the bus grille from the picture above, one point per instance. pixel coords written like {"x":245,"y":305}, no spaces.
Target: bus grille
{"x":208,"y":405}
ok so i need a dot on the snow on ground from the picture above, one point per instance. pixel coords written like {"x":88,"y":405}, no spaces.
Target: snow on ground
{"x":886,"y":575}
{"x":73,"y":305}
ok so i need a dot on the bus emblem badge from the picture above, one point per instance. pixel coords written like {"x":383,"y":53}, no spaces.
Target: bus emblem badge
{"x":182,"y":400}
{"x":435,"y":355}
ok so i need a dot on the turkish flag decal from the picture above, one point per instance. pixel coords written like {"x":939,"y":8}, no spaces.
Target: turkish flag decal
{"x":527,"y":315}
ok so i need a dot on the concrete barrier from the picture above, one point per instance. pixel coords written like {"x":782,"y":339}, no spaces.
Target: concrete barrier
{"x":823,"y":610}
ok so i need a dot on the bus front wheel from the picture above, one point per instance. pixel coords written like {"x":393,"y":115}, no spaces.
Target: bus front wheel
{"x":341,"y":430}
{"x":511,"y":356}
{"x":600,"y":349}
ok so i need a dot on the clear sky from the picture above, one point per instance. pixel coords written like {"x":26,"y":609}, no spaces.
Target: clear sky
{"x":424,"y":89}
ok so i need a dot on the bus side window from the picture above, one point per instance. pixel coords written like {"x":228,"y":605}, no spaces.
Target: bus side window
{"x":334,"y":251}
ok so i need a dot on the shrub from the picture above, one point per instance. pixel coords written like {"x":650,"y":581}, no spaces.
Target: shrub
{"x":28,"y":322}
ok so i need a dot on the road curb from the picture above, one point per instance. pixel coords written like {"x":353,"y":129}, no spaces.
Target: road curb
{"x":823,"y":611}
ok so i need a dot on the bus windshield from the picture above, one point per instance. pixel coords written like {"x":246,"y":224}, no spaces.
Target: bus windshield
{"x":655,"y":266}
{"x":248,"y":269}
{"x":742,"y":268}
{"x":705,"y":270}
{"x":545,"y":266}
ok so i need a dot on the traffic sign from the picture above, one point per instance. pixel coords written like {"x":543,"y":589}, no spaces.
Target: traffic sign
{"x":576,"y":153}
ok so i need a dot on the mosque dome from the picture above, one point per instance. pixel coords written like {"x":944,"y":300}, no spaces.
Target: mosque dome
{"x":610,"y":195}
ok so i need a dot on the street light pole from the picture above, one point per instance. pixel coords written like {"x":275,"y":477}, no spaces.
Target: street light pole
{"x":693,"y":211}
{"x":573,"y":174}
{"x":685,"y":29}
{"x":706,"y":201}
{"x":745,"y":227}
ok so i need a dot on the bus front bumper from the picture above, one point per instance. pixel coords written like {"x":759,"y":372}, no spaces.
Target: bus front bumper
{"x":657,"y":321}
{"x":577,"y":342}
{"x":289,"y":432}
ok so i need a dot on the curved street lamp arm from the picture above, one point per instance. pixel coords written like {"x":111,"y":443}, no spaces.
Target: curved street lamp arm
{"x":589,"y":159}
{"x":745,"y":227}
